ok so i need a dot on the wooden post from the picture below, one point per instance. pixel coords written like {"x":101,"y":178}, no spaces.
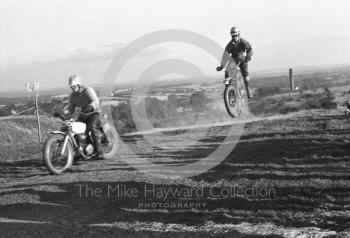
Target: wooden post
{"x":31,"y":87}
{"x":37,"y":113}
{"x":291,"y":80}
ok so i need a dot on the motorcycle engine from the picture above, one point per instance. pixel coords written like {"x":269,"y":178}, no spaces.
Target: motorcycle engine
{"x":89,"y":149}
{"x":81,"y":139}
{"x":85,"y":145}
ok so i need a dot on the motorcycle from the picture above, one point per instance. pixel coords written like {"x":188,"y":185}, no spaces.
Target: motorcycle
{"x":234,"y":90}
{"x":73,"y":140}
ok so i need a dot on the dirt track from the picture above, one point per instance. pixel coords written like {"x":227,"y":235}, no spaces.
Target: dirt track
{"x":303,"y":162}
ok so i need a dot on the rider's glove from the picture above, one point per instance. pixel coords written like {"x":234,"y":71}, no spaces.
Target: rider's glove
{"x":219,"y":68}
{"x":58,"y":114}
{"x":88,"y":109}
{"x":247,"y":59}
{"x":61,"y":115}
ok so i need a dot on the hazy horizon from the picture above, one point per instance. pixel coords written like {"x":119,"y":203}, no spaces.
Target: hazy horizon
{"x":47,"y":41}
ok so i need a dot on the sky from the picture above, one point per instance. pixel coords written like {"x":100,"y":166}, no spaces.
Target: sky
{"x":48,"y":40}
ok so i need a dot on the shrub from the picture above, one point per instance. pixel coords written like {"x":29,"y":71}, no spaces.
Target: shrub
{"x":328,"y":103}
{"x":156,"y":109}
{"x":268,"y":91}
{"x":311,"y":104}
{"x":307,"y":95}
{"x":198,"y":101}
{"x":123,"y":118}
{"x":288,"y":109}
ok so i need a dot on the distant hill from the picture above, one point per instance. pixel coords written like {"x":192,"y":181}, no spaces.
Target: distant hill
{"x":326,"y":75}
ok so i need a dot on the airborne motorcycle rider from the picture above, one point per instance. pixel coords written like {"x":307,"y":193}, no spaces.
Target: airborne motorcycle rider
{"x":241,"y":51}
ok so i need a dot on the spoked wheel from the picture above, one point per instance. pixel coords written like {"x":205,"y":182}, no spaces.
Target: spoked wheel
{"x":232,"y":101}
{"x":54,"y":161}
{"x":110,"y":141}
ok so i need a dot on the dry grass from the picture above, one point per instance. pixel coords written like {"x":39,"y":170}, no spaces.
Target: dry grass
{"x":19,"y":137}
{"x":283,"y":104}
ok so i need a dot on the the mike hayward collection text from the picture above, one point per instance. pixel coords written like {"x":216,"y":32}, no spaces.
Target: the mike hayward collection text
{"x":165,"y":191}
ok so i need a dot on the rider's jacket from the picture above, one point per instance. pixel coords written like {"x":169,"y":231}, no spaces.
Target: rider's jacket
{"x":235,"y":50}
{"x":85,"y":97}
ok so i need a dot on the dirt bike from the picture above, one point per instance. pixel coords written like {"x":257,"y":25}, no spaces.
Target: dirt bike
{"x":73,"y":140}
{"x":234,"y":89}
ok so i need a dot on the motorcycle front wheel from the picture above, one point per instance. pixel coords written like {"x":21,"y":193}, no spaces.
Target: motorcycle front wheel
{"x":232,"y":101}
{"x":56,"y":162}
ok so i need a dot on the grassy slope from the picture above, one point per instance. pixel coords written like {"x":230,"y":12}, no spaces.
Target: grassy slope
{"x":19,"y":137}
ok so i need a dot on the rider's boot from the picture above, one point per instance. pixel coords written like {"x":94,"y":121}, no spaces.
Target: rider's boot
{"x":246,"y":82}
{"x":97,"y":144}
{"x":100,"y":153}
{"x":227,"y":79}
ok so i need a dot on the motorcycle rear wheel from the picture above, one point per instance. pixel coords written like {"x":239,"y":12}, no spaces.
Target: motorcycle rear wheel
{"x":54,"y":161}
{"x":232,"y":101}
{"x":110,"y":142}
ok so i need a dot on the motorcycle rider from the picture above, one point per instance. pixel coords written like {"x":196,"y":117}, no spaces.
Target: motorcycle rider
{"x":86,"y":98}
{"x":241,"y":51}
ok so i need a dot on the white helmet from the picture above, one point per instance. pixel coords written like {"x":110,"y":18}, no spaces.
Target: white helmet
{"x":74,"y":80}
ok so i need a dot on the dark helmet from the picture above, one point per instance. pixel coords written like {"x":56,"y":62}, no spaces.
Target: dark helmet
{"x":235,"y":31}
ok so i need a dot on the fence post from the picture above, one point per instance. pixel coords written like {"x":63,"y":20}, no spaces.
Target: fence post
{"x":291,"y":80}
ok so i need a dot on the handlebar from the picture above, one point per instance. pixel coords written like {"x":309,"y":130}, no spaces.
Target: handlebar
{"x":236,"y":61}
{"x":88,"y":113}
{"x":67,"y":117}
{"x":61,"y":116}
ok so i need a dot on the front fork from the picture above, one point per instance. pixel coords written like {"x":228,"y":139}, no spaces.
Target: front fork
{"x":236,"y":85}
{"x":233,"y":78}
{"x":66,"y":141}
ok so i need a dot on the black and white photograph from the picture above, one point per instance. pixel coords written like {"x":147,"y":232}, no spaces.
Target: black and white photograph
{"x":175,"y":118}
